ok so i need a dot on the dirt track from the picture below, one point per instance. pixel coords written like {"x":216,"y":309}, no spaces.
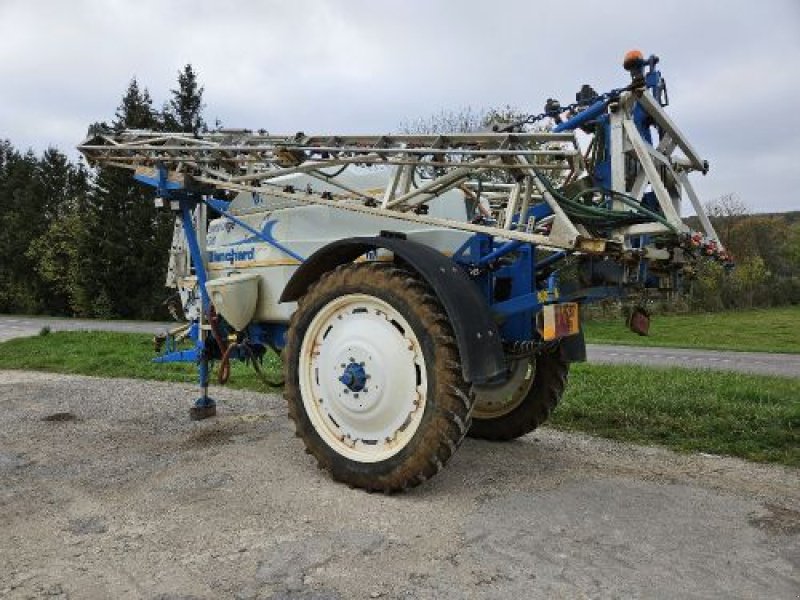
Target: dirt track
{"x":131,"y":499}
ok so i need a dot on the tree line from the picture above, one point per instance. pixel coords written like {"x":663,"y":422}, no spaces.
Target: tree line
{"x":766,"y":252}
{"x":90,"y":243}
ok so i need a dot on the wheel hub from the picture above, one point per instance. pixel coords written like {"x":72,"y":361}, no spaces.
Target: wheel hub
{"x":357,"y":391}
{"x":493,"y":401}
{"x":354,"y":377}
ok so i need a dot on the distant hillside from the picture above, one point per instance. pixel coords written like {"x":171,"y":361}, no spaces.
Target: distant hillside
{"x":790,"y":218}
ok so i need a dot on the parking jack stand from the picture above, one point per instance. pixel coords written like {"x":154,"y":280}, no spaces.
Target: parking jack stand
{"x":204,"y":407}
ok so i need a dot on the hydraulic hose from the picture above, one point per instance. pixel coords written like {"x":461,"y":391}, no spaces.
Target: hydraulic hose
{"x":633,"y":203}
{"x":225,"y":365}
{"x":595,"y":215}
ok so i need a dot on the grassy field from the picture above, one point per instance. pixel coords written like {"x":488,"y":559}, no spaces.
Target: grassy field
{"x":764,"y":330}
{"x":750,"y":416}
{"x":110,"y":354}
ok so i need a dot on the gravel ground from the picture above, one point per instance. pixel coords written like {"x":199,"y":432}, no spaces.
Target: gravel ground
{"x":107,"y":490}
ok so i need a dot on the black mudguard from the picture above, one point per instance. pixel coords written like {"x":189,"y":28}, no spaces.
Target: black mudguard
{"x":573,"y":348}
{"x":477,"y":336}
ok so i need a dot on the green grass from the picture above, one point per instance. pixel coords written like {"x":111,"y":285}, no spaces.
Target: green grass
{"x":109,"y":354}
{"x":763,"y":330}
{"x":756,"y":417}
{"x":751,"y":416}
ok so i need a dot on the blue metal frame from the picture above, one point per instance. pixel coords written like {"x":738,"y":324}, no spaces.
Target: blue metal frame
{"x":173,"y":191}
{"x":516,"y":268}
{"x":490,"y":262}
{"x":530,"y":291}
{"x":171,"y":352}
{"x":260,"y":335}
{"x":272,"y":335}
{"x":596,"y":115}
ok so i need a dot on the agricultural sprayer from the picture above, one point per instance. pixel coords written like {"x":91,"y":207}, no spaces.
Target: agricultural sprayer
{"x":413,"y":284}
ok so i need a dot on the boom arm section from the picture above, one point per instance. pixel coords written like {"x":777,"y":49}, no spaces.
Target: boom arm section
{"x":620,"y":197}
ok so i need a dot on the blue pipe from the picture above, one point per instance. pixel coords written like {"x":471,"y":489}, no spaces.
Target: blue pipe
{"x":550,"y":260}
{"x":200,"y":270}
{"x":583,"y":117}
{"x":198,"y":260}
{"x":500,"y":251}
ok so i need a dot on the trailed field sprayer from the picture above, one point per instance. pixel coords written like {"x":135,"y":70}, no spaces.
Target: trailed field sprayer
{"x":411,"y":282}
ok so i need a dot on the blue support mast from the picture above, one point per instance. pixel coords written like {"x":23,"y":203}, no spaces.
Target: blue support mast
{"x":184,"y":203}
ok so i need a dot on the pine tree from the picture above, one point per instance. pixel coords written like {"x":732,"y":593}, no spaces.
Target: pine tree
{"x":64,"y":186}
{"x":34,"y":192}
{"x":18,"y":209}
{"x":124,"y":239}
{"x":89,"y":245}
{"x":136,"y":109}
{"x":184,"y":112}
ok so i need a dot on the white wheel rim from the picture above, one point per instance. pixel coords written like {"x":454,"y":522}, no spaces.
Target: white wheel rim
{"x":372,"y":423}
{"x":495,"y":401}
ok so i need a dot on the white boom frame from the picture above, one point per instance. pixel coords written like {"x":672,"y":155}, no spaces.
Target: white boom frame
{"x":245,"y":161}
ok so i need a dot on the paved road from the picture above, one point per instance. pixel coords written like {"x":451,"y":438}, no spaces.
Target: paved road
{"x":745,"y":362}
{"x":121,"y":496}
{"x":12,"y":326}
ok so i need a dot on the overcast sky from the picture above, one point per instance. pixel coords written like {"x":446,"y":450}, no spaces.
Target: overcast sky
{"x":327,"y":66}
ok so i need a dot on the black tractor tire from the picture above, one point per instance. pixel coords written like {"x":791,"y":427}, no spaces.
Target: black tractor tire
{"x":445,"y":419}
{"x":550,"y":372}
